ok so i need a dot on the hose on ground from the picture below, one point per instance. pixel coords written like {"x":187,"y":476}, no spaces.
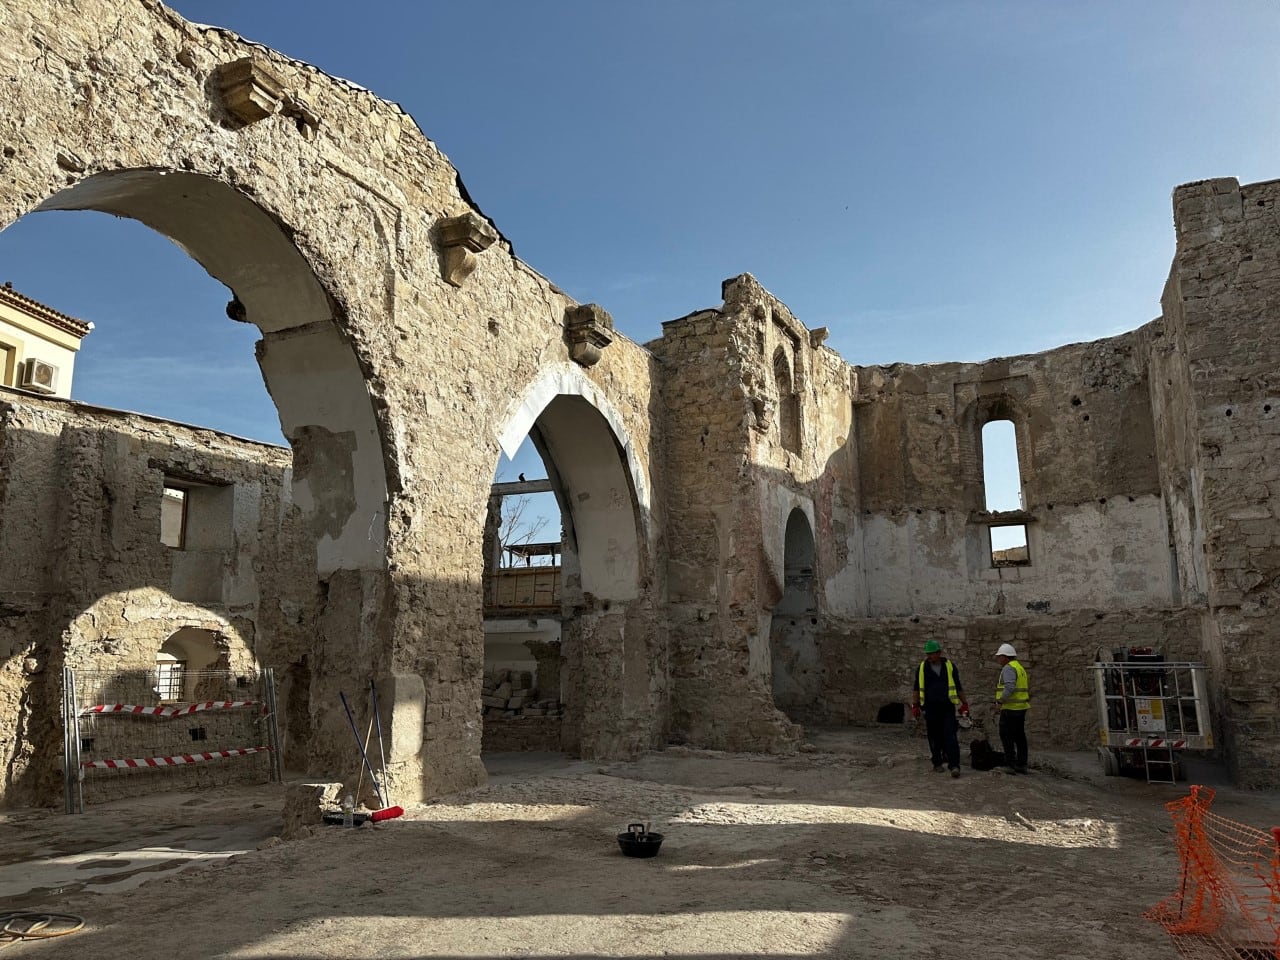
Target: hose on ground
{"x":37,"y":926}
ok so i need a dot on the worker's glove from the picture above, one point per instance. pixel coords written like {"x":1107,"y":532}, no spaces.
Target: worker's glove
{"x":915,"y":710}
{"x":964,"y":709}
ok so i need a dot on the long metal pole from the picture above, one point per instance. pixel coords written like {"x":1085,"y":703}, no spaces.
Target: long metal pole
{"x":67,"y":721}
{"x":273,"y":722}
{"x":382,"y":754}
{"x":75,"y":743}
{"x":360,"y":746}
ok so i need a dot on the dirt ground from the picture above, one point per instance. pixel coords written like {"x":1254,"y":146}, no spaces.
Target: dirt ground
{"x":852,"y":848}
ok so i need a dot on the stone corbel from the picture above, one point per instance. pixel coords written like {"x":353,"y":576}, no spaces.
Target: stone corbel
{"x":462,"y":238}
{"x":250,"y":91}
{"x":588,"y":329}
{"x":818,"y":336}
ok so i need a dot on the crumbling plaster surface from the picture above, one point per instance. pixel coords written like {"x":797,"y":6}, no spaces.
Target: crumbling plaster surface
{"x":106,"y":89}
{"x":1095,"y":517}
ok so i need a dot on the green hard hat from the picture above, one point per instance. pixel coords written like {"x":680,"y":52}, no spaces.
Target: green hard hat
{"x":932,"y":646}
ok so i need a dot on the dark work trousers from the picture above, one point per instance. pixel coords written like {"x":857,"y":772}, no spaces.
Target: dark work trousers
{"x":940,"y":724}
{"x":1013,"y":734}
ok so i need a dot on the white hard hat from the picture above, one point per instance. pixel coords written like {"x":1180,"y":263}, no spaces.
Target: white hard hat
{"x":1006,"y":650}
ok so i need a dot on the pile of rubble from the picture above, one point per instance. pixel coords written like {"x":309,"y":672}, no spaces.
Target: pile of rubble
{"x":511,"y":693}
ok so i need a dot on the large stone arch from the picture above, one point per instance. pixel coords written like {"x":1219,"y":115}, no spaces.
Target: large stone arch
{"x":339,"y":479}
{"x":614,"y":669}
{"x":310,"y":369}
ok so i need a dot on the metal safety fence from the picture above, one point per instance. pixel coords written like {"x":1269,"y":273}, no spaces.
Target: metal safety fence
{"x":197,"y":729}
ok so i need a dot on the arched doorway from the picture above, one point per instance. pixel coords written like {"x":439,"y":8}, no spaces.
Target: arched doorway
{"x":611,"y":658}
{"x":797,"y":670}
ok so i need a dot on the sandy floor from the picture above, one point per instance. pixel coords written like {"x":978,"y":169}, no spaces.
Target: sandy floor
{"x":851,"y":849}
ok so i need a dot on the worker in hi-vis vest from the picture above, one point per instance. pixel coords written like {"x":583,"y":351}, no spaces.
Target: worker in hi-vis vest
{"x":1013,"y":699}
{"x":937,"y":693}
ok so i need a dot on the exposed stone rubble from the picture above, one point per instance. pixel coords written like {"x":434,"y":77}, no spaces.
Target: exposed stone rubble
{"x":511,"y":693}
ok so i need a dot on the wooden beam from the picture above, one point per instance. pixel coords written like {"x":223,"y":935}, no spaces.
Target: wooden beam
{"x":517,"y":487}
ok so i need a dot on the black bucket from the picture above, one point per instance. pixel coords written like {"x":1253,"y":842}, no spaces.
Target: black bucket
{"x":638,"y":841}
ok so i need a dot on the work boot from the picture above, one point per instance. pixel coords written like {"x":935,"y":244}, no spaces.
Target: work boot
{"x":938,"y":768}
{"x":955,"y":772}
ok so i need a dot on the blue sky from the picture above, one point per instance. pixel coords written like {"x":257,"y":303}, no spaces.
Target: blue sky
{"x":931,"y":180}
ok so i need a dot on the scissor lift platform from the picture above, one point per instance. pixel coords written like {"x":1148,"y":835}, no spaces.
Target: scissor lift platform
{"x":1150,"y":711}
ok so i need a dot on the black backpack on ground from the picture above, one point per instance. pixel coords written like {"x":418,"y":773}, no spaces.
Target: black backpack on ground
{"x":983,"y":757}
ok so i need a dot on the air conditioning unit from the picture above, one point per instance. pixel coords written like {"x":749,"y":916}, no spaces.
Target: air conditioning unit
{"x":39,"y":376}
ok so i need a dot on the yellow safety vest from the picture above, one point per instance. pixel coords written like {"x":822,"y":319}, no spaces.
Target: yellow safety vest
{"x":1020,"y":699}
{"x":951,"y":683}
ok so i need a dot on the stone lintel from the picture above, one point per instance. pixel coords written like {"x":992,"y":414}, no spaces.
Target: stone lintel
{"x":462,"y":238}
{"x":588,"y":329}
{"x":250,"y":91}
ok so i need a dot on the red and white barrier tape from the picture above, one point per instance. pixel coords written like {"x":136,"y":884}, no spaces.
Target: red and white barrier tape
{"x":1139,"y":742}
{"x":167,"y":712}
{"x":176,"y":761}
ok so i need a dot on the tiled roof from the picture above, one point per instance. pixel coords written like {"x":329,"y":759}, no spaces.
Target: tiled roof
{"x":38,"y":310}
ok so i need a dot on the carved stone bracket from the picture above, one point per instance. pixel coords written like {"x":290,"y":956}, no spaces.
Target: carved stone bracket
{"x":250,"y":91}
{"x":462,"y":238}
{"x":588,"y":329}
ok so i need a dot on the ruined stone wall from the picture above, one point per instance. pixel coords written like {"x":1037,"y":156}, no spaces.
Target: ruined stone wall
{"x":88,"y":584}
{"x":719,"y":585}
{"x":405,"y":344}
{"x":1093,"y":511}
{"x":1221,"y":305}
{"x":401,"y":337}
{"x":758,"y":424}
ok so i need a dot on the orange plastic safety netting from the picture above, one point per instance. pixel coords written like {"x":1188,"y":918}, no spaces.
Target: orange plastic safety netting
{"x":1228,"y":898}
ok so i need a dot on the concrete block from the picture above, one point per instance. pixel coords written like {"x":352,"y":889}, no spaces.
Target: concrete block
{"x":304,"y":805}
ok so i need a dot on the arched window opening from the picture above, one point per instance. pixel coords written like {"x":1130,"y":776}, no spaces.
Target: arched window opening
{"x":180,"y":662}
{"x":793,"y":637}
{"x":788,"y":403}
{"x":1002,"y":492}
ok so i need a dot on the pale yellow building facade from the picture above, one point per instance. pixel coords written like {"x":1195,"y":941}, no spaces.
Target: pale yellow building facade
{"x":38,"y":344}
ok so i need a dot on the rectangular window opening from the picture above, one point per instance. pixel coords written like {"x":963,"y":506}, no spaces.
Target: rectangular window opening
{"x":173,"y":517}
{"x":1009,"y":546}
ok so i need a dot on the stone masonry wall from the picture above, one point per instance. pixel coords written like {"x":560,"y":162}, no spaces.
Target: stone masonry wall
{"x":868,"y":663}
{"x":717,"y":592}
{"x":1092,"y":505}
{"x":87,"y":583}
{"x":1222,"y":301}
